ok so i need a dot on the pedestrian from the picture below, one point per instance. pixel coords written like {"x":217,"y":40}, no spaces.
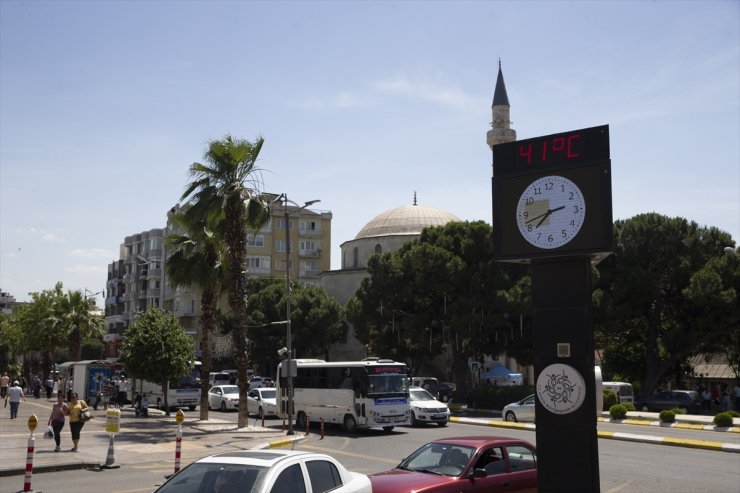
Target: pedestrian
{"x":14,"y":395}
{"x":58,"y":412}
{"x":76,"y":419}
{"x":706,"y":399}
{"x":123,"y":391}
{"x":726,"y":400}
{"x":49,"y":384}
{"x":4,"y":384}
{"x":107,"y":390}
{"x":36,"y":382}
{"x":98,"y":391}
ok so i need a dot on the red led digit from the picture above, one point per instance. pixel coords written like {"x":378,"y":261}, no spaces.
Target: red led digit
{"x":558,"y":144}
{"x":544,"y":151}
{"x":526,"y":154}
{"x":571,"y":138}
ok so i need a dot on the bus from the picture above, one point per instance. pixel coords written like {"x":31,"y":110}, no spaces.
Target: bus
{"x":183,"y":393}
{"x":372,"y":393}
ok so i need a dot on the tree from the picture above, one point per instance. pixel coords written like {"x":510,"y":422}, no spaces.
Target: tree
{"x":442,"y":290}
{"x":228,"y":183}
{"x":315,"y":318}
{"x":197,"y":260}
{"x":74,"y":314}
{"x":156,"y":349}
{"x":667,"y":293}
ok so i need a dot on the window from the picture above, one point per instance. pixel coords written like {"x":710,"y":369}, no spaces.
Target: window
{"x":255,"y":240}
{"x":308,"y":226}
{"x":255,"y":262}
{"x":378,"y":248}
{"x":356,"y":258}
{"x":521,"y":458}
{"x":290,"y":481}
{"x":280,"y":224}
{"x":323,"y":475}
{"x":280,"y":246}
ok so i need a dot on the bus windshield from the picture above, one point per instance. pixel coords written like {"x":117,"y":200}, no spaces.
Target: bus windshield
{"x":387,"y":384}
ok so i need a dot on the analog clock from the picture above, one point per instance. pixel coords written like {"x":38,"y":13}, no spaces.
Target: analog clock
{"x":550,"y":212}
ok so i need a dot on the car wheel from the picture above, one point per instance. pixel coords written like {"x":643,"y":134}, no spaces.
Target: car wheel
{"x":350,"y":424}
{"x":442,"y":423}
{"x":445,"y":398}
{"x":300,"y":421}
{"x":223,"y":407}
{"x":414,"y":421}
{"x":644,"y":408}
{"x":511,"y":417}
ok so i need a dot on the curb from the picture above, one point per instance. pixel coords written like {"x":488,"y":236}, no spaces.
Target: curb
{"x":676,"y":442}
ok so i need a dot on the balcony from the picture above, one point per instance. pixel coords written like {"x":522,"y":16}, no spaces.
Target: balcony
{"x":310,"y":253}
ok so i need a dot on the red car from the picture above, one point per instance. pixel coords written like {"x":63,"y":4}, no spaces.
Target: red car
{"x":463,"y":464}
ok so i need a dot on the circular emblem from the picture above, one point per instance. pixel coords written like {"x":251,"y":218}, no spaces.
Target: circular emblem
{"x":561,"y":388}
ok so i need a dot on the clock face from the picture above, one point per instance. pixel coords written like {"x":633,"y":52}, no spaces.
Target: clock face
{"x":550,"y":212}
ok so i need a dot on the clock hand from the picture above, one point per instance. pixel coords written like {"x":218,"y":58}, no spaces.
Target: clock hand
{"x":547,"y":214}
{"x":537,"y":217}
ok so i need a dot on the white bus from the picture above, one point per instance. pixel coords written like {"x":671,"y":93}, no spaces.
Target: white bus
{"x":184,"y":393}
{"x":372,"y":393}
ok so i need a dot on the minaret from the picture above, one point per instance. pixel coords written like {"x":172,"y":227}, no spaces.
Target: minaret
{"x":501,"y":130}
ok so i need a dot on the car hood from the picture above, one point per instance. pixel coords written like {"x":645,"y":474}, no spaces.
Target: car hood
{"x":397,"y":480}
{"x":428,"y":404}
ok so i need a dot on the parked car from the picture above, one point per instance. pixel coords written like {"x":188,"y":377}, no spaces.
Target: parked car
{"x":446,"y":391}
{"x":262,"y":399}
{"x":266,"y":471}
{"x":519,"y":411}
{"x":223,"y":397}
{"x":688,"y":401}
{"x":257,"y":382}
{"x":471,"y":464}
{"x":219,"y":378}
{"x":426,"y":409}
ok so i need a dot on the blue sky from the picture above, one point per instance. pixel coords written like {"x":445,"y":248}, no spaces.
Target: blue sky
{"x":104,"y":105}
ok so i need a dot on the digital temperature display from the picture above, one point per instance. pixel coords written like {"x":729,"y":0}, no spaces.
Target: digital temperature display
{"x":552,"y":151}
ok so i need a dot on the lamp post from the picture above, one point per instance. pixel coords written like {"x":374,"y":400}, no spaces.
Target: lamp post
{"x":87,"y":291}
{"x":289,"y":344}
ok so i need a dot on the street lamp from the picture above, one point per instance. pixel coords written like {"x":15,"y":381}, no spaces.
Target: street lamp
{"x":87,"y":291}
{"x":289,"y":360}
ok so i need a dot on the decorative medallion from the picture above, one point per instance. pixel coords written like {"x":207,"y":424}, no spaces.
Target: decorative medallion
{"x":561,"y":389}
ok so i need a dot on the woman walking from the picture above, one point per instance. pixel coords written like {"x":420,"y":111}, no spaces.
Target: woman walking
{"x":56,"y":420}
{"x":76,"y":420}
{"x":14,"y":396}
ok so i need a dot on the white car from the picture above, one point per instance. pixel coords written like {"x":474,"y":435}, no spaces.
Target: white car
{"x":266,"y":471}
{"x":257,"y":382}
{"x":426,"y":409}
{"x":223,"y":397}
{"x":261,"y":400}
{"x":520,"y":411}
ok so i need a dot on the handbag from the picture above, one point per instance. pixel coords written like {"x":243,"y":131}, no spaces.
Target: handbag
{"x":85,"y":414}
{"x":49,"y":433}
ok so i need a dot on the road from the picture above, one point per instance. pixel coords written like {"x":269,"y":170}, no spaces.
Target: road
{"x":624,"y":466}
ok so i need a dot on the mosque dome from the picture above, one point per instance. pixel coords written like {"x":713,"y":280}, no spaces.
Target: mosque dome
{"x":405,"y":220}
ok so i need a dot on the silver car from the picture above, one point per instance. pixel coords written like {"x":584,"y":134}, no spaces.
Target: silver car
{"x":520,"y":411}
{"x":262,"y":400}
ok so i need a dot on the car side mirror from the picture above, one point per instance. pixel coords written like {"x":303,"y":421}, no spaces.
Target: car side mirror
{"x":478,"y":473}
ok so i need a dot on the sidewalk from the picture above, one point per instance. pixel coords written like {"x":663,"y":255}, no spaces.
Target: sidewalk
{"x":139,"y":440}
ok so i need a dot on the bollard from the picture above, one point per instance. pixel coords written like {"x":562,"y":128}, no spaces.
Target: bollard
{"x":263,"y":419}
{"x":308,"y":424}
{"x":110,"y":461}
{"x":112,"y":426}
{"x":322,"y":429}
{"x":179,"y":418}
{"x":32,"y":423}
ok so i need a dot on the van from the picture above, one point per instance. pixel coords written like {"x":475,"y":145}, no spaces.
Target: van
{"x":218,"y":378}
{"x":429,"y":384}
{"x":623,"y":391}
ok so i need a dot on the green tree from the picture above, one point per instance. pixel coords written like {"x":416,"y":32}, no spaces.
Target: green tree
{"x":228,"y":182}
{"x":197,"y":260}
{"x":74,"y":314}
{"x":667,"y":293}
{"x":156,"y":349}
{"x":315,"y":318}
{"x":39,"y":325}
{"x":443,"y":291}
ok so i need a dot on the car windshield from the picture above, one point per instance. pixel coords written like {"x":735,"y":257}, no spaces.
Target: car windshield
{"x":439,"y":458}
{"x":230,"y":389}
{"x":268,"y":394}
{"x":421,"y":395}
{"x":203,"y":477}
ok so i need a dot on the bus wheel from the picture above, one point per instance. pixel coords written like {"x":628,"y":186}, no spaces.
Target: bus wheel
{"x":192,"y":408}
{"x":300,"y":420}
{"x":388,"y":428}
{"x":159,"y":403}
{"x":350,"y":424}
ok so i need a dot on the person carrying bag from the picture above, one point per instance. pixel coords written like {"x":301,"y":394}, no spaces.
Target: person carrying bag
{"x":77,"y":410}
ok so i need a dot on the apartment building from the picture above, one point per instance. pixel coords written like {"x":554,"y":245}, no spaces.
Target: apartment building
{"x":139,"y":280}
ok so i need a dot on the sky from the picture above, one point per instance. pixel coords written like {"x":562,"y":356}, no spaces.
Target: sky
{"x":104,"y":105}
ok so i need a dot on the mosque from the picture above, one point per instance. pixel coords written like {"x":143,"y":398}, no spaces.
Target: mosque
{"x":390,"y":229}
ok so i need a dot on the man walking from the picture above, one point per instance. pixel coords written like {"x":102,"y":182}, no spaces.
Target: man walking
{"x":4,"y":384}
{"x":14,"y":396}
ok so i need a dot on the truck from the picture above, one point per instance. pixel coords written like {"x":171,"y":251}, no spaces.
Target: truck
{"x":82,"y":376}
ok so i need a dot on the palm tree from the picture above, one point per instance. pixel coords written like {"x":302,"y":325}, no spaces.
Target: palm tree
{"x":197,"y":260}
{"x":74,"y":314}
{"x":229,"y":184}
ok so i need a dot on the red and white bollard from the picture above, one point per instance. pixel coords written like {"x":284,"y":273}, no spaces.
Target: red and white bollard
{"x":308,"y":424}
{"x":29,"y":464}
{"x":322,"y":429}
{"x":178,"y":446}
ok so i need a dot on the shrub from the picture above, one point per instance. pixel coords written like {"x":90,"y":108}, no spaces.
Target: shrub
{"x":618,"y":411}
{"x":668,"y":415}
{"x":610,"y":399}
{"x":734,"y":413}
{"x":629,"y":406}
{"x":723,"y":419}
